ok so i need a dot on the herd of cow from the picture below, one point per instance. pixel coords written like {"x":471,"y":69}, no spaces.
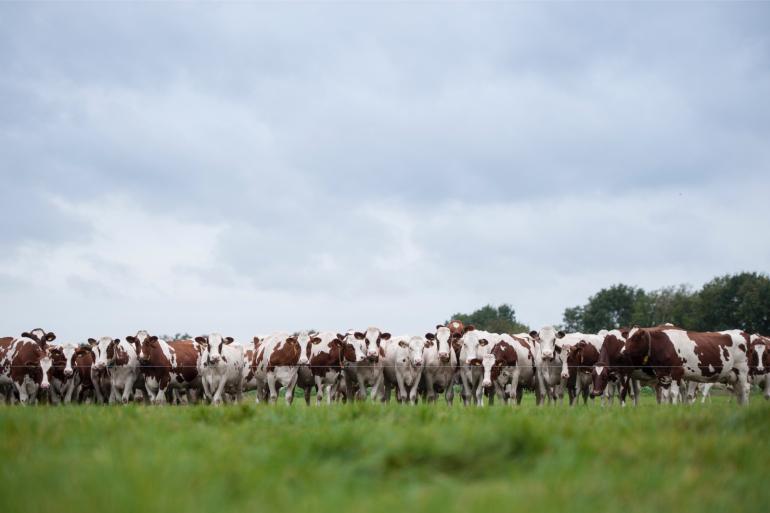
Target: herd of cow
{"x":372,"y":363}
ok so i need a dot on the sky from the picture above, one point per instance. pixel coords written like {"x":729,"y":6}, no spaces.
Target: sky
{"x":246,"y":168}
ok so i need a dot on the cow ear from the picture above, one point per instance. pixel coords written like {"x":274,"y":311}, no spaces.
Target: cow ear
{"x":256,"y":340}
{"x":315,"y":340}
{"x":534,"y":334}
{"x":430,"y":336}
{"x":116,"y":341}
{"x":560,"y":334}
{"x":131,"y":339}
{"x":557,"y":349}
{"x":50,"y":337}
{"x":385,"y":336}
{"x":153,"y":339}
{"x":228,"y":340}
{"x":27,"y":334}
{"x":402,"y":343}
{"x":456,"y":335}
{"x":359,"y":335}
{"x":469,"y":327}
{"x":439,"y":326}
{"x":92,"y":341}
{"x":291,"y":339}
{"x":202,"y":340}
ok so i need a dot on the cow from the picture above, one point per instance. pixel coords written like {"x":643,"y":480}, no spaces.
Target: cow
{"x":550,"y":362}
{"x":169,"y":368}
{"x":510,"y":367}
{"x":759,"y":362}
{"x":579,"y":353}
{"x":402,"y":366}
{"x":120,"y":361}
{"x":677,"y":354}
{"x":220,"y":367}
{"x":362,"y":363}
{"x":82,"y":361}
{"x":275,"y":364}
{"x":440,"y":367}
{"x":24,"y":366}
{"x":475,"y":345}
{"x":248,"y":379}
{"x":62,"y":374}
{"x":324,"y":368}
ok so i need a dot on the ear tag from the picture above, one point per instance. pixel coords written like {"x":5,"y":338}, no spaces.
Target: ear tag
{"x":644,"y":362}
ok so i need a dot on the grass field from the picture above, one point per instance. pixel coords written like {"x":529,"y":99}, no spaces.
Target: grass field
{"x":369,"y":457}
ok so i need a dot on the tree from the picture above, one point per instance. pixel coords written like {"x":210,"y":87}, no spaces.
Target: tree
{"x":676,"y":305}
{"x":573,"y":319}
{"x":735,"y":301}
{"x":501,"y":319}
{"x":609,"y":308}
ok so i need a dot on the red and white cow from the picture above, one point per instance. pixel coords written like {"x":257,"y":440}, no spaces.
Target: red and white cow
{"x":119,"y":360}
{"x":759,"y":361}
{"x":220,"y":367}
{"x":24,"y":365}
{"x":169,"y":367}
{"x":362,"y":363}
{"x":324,"y":368}
{"x":510,"y":367}
{"x":579,"y":353}
{"x":440,"y":368}
{"x":402,"y":366}
{"x":82,"y":361}
{"x":674,"y":354}
{"x":276,"y":365}
{"x":476,"y":344}
{"x":62,"y":375}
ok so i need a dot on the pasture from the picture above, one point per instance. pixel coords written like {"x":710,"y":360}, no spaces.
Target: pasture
{"x":374,"y":457}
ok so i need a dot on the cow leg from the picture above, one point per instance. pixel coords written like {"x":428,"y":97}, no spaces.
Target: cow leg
{"x":290,"y":388}
{"x":466,"y":387}
{"x":319,"y":386}
{"x":271,"y":387}
{"x":308,"y":390}
{"x":128,"y":388}
{"x":742,"y":388}
{"x":449,"y":393}
{"x":430,"y":388}
{"x":515,"y":385}
{"x":413,"y":391}
{"x":692,"y":392}
{"x":767,"y":386}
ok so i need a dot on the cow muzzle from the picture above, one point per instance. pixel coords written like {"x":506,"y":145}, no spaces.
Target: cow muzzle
{"x":67,"y":373}
{"x":418,"y":363}
{"x":443,"y":357}
{"x":44,"y":386}
{"x":548,"y":356}
{"x":373,"y":358}
{"x":565,"y":375}
{"x":595,"y":393}
{"x":486,"y":383}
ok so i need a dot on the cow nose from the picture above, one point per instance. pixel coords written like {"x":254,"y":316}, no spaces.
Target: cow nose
{"x":486,"y":383}
{"x":303,"y":361}
{"x":564,"y":375}
{"x":418,"y":363}
{"x":68,"y":373}
{"x":44,"y":386}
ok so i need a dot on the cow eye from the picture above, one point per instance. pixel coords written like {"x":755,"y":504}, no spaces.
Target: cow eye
{"x":482,"y":342}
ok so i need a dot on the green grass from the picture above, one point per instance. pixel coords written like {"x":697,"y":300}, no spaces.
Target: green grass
{"x":370,"y":457}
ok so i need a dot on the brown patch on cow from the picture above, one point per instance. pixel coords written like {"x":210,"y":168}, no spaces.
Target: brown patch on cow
{"x":58,"y":364}
{"x":505,"y":356}
{"x":285,"y":353}
{"x":708,"y":347}
{"x":26,"y":362}
{"x":187,"y":355}
{"x":326,"y":361}
{"x":82,"y":361}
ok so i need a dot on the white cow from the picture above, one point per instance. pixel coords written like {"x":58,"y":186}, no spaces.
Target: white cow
{"x":115,"y":369}
{"x":579,"y":353}
{"x":220,"y":367}
{"x":402,"y":367}
{"x":510,"y":367}
{"x":550,"y":362}
{"x":440,"y":366}
{"x":475,"y":345}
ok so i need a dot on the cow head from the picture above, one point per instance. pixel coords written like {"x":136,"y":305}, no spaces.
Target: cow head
{"x":104,"y":350}
{"x":40,"y":336}
{"x":600,"y":376}
{"x":412,"y":350}
{"x":354,"y":347}
{"x":759,"y":355}
{"x":212,"y":344}
{"x":61,"y":357}
{"x":475,"y":344}
{"x":305,"y":341}
{"x":372,"y":339}
{"x":83,"y":360}
{"x":547,"y":337}
{"x":442,"y":341}
{"x":145,"y":345}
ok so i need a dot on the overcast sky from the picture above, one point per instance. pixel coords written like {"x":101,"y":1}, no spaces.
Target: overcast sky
{"x":249,"y":168}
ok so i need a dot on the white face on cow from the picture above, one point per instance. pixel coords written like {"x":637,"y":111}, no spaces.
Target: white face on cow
{"x":547,"y":337}
{"x":443,"y":345}
{"x":487,"y":362}
{"x":46,"y":362}
{"x":212,"y":344}
{"x":100,"y":348}
{"x":759,"y":350}
{"x":412,"y":350}
{"x":305,"y":341}
{"x":68,"y":349}
{"x":372,"y":339}
{"x":475,"y":345}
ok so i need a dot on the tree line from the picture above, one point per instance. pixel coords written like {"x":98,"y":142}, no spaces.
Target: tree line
{"x":732,"y":301}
